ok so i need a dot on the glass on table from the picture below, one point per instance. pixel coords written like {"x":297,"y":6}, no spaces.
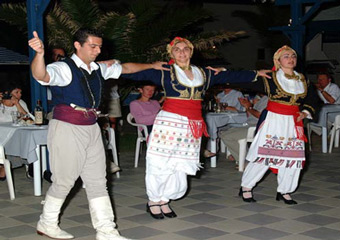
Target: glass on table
{"x":15,"y":117}
{"x":224,"y":106}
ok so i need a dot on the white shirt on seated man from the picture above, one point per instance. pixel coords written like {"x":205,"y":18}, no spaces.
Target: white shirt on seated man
{"x":231,"y":97}
{"x":231,"y":135}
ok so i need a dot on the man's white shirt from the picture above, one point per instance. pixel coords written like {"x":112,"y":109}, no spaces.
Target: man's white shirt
{"x":61,"y":75}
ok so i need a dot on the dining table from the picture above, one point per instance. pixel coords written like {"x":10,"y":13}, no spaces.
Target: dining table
{"x":28,"y":142}
{"x":327,"y":114}
{"x":216,"y":120}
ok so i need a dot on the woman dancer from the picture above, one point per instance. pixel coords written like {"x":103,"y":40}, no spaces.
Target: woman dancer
{"x":279,"y":142}
{"x":174,"y":144}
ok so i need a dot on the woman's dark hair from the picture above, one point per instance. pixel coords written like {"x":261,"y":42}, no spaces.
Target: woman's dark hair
{"x":10,"y":86}
{"x":145,"y":83}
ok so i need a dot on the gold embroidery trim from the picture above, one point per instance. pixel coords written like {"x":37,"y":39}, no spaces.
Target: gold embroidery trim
{"x":280,"y":92}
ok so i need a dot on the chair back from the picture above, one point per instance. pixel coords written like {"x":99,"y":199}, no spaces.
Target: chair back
{"x":251,"y":134}
{"x":7,"y":166}
{"x":334,"y":134}
{"x":2,"y":155}
{"x":141,"y":128}
{"x":143,"y":135}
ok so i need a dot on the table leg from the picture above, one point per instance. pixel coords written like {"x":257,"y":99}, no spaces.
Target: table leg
{"x":37,"y":173}
{"x":213,"y":149}
{"x":324,"y":139}
{"x":43,"y":158}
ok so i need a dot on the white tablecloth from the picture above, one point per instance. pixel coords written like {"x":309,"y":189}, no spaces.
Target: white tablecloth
{"x":217,"y":120}
{"x":22,"y":141}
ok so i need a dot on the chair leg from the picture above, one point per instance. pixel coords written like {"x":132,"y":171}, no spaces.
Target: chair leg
{"x":332,"y":139}
{"x":115,"y":155}
{"x":9,"y":178}
{"x":242,"y":154}
{"x":115,"y":160}
{"x":337,"y":137}
{"x":222,"y":146}
{"x":138,"y":143}
{"x":309,"y":132}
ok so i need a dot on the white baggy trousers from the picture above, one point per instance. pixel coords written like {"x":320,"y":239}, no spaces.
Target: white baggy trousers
{"x":287,"y":178}
{"x":76,"y":150}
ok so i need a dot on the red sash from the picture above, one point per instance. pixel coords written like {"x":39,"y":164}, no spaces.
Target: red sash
{"x":69,"y":114}
{"x":192,"y":109}
{"x":289,"y":110}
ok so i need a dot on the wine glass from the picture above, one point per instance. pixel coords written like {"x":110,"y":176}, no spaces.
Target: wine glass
{"x":224,"y":106}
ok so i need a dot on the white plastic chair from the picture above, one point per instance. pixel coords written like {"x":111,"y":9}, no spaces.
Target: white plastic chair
{"x":142,"y":135}
{"x":335,"y":133}
{"x":243,"y":147}
{"x":7,"y":166}
{"x":112,"y":146}
{"x":311,"y":126}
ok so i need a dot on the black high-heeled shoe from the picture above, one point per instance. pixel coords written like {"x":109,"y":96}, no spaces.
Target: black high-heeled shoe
{"x":154,"y":215}
{"x":171,"y":214}
{"x":249,"y":200}
{"x":279,"y":196}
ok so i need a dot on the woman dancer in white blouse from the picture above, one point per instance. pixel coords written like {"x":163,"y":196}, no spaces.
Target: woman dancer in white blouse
{"x":280,"y":142}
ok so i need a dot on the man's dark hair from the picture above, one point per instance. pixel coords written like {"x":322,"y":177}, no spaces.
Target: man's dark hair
{"x":83,"y":33}
{"x":329,"y":76}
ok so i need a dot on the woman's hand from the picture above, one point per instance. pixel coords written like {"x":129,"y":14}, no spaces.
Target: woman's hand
{"x":301,"y":116}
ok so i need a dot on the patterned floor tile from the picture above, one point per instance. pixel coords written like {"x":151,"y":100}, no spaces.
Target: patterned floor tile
{"x":323,"y":233}
{"x":210,"y":210}
{"x":318,"y":219}
{"x":263,"y":233}
{"x":201,"y":233}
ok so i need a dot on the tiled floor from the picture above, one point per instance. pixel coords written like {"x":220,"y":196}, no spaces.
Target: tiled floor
{"x":211,"y":210}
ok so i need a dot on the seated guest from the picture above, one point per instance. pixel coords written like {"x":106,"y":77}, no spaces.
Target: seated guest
{"x":144,"y":110}
{"x":328,"y":92}
{"x":11,"y":102}
{"x":230,"y":96}
{"x":231,"y":136}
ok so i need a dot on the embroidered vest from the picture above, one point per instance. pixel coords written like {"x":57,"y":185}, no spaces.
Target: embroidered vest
{"x":84,"y":90}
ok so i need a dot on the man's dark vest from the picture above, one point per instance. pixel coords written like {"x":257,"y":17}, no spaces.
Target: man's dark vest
{"x":84,"y":90}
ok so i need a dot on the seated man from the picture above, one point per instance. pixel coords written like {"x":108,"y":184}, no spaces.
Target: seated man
{"x":230,"y":97}
{"x":328,"y":92}
{"x":231,"y":136}
{"x":144,"y":109}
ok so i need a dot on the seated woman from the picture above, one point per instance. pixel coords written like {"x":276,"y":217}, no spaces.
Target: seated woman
{"x":144,"y":109}
{"x":11,"y":102}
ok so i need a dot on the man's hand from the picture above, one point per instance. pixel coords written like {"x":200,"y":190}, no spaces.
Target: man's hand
{"x":245,"y":102}
{"x":216,"y":70}
{"x":36,"y":44}
{"x":159,"y":66}
{"x":263,"y":73}
{"x":109,"y":63}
